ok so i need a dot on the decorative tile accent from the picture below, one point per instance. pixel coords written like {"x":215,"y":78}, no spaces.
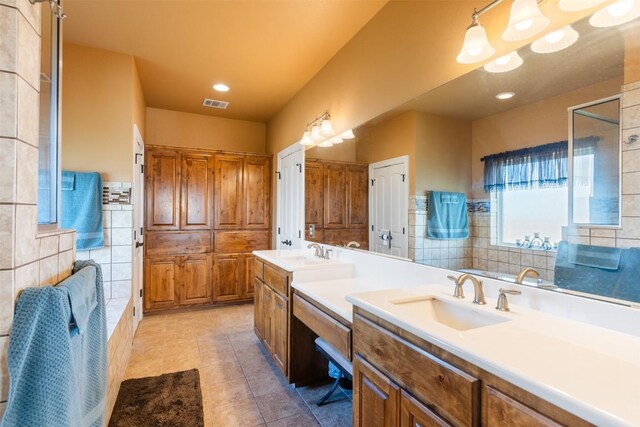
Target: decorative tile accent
{"x":118,"y":195}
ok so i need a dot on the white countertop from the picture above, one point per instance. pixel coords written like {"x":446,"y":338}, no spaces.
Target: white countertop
{"x":589,"y":371}
{"x":332,"y":294}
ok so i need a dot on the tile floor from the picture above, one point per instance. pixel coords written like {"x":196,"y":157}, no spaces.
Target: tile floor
{"x":240,"y":384}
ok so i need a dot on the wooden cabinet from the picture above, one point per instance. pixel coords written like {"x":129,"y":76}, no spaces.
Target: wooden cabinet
{"x":196,"y":192}
{"x":228,"y":191}
{"x":415,"y":414}
{"x":335,"y":183}
{"x":375,"y":397}
{"x":257,"y":193}
{"x":172,"y":281}
{"x":313,"y":195}
{"x":503,"y":410}
{"x":357,"y":213}
{"x":272,"y":311}
{"x":227,"y":277}
{"x":162,"y":190}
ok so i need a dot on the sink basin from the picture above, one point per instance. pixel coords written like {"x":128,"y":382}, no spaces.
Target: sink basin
{"x":302,"y":259}
{"x":451,"y":314}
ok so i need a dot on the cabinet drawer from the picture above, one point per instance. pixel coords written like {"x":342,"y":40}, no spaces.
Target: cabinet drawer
{"x":334,"y":332}
{"x":258,"y":268}
{"x":177,"y":243}
{"x":444,"y":389}
{"x":241,"y":241}
{"x":278,"y":281}
{"x":504,"y":410}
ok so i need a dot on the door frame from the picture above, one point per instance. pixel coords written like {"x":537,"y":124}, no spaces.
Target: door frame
{"x":293,"y":148}
{"x":137,"y":193}
{"x":404,"y":161}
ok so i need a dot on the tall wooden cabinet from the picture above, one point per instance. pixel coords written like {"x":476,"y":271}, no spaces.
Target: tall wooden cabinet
{"x":206,"y":212}
{"x":336,"y":202}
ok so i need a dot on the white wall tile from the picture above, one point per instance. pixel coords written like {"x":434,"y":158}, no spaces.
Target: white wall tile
{"x":49,"y":271}
{"x":121,"y":219}
{"x":121,"y":271}
{"x":101,"y":256}
{"x":106,"y":272}
{"x":83,"y":255}
{"x":106,"y":219}
{"x":121,"y":289}
{"x":6,"y":301}
{"x":121,"y":236}
{"x":121,"y":254}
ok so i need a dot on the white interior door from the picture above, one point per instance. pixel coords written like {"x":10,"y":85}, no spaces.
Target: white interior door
{"x":388,"y":207}
{"x":290,"y":206}
{"x":138,"y":231}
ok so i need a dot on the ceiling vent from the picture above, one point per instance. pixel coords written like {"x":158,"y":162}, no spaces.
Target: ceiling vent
{"x":215,"y":103}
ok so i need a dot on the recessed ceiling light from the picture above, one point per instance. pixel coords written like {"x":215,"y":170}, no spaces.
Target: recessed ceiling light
{"x":221,"y":87}
{"x":505,"y":95}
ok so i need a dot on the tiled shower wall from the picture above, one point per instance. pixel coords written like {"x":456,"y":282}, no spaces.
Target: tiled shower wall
{"x":27,"y":257}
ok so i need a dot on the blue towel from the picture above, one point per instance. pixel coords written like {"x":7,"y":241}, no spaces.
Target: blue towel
{"x":82,"y":298}
{"x":68,"y":181}
{"x":594,"y":256}
{"x":82,"y":209}
{"x":621,"y":283}
{"x":56,"y":379}
{"x":447,"y":216}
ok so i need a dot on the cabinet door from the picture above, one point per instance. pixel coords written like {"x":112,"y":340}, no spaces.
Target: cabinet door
{"x":257,"y":193}
{"x":280,"y":331}
{"x":415,"y":414}
{"x":258,"y":319}
{"x":248,"y":288}
{"x":228,"y":272}
{"x":196,"y":279}
{"x":503,"y":410}
{"x":313,"y":191}
{"x":163,"y":190}
{"x":357,"y":196}
{"x":375,"y":397}
{"x":267,"y":318}
{"x":335,"y":181}
{"x":228,"y":191}
{"x":197,"y":186}
{"x":161,"y":281}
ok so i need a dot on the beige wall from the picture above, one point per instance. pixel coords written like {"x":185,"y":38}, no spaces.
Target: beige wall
{"x":534,"y":124}
{"x":139,"y":104}
{"x":166,"y":127}
{"x":443,"y":154}
{"x":344,"y":152}
{"x":101,"y":100}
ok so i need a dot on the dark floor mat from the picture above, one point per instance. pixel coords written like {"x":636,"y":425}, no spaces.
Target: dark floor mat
{"x":171,"y":399}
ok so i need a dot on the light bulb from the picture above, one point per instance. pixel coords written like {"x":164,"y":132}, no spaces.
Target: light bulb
{"x":326,"y":127}
{"x":315,"y":133}
{"x":347,"y":134}
{"x":505,"y":63}
{"x":618,"y":12}
{"x":578,"y":5}
{"x":221,"y":87}
{"x":476,"y":46}
{"x":306,"y":139}
{"x":556,"y":40}
{"x":525,"y":20}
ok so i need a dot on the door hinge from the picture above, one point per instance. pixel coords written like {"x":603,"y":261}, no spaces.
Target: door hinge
{"x":299,"y":234}
{"x":140,"y":293}
{"x":278,"y":230}
{"x":138,"y":154}
{"x":134,"y":311}
{"x":403,"y":175}
{"x":134,"y":235}
{"x":402,"y":230}
{"x":141,"y":231}
{"x":299,"y":165}
{"x":279,"y":175}
{"x":141,"y":168}
{"x":372,"y":227}
{"x":373,"y":181}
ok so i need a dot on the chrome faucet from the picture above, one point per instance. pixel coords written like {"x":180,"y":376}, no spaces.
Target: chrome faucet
{"x":503,"y":304}
{"x":353,"y":244}
{"x":527,"y":272}
{"x":320,"y":252}
{"x":477,"y":287}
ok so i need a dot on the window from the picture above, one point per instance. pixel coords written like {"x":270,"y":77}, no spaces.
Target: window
{"x":49,"y":143}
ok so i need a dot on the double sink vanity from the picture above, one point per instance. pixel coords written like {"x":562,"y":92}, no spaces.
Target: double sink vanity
{"x":421,"y":356}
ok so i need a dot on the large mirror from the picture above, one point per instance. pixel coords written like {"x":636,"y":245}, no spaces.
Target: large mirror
{"x":515,"y":174}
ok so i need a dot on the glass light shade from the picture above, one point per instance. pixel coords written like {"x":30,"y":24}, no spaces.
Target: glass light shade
{"x":476,"y":46}
{"x":306,"y":139}
{"x":336,"y":140}
{"x":555,"y":40}
{"x":326,"y":128}
{"x":578,"y":5}
{"x":616,"y":13}
{"x":347,"y":134}
{"x":525,"y":20}
{"x":505,"y":63}
{"x":315,"y":133}
{"x":325,"y":144}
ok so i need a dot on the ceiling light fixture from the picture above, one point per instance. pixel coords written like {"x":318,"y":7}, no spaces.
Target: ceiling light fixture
{"x":578,"y":5}
{"x":319,"y":132}
{"x":505,"y":95}
{"x":555,"y":40}
{"x":221,"y":87}
{"x":505,"y":63}
{"x":616,"y":13}
{"x":476,"y":46}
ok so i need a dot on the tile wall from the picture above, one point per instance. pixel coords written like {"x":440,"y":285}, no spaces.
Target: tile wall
{"x":27,"y":257}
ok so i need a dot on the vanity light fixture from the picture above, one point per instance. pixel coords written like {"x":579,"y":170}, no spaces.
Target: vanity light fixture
{"x":556,"y":40}
{"x":319,"y":132}
{"x":505,"y":63}
{"x":221,"y":87}
{"x":347,"y":134}
{"x":525,"y":20}
{"x":476,"y":46}
{"x":325,"y":144}
{"x":578,"y":5}
{"x":505,"y":95}
{"x":616,"y":13}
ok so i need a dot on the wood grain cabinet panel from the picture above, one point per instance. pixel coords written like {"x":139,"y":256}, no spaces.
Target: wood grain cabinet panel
{"x":257,"y":193}
{"x":196,"y":281}
{"x":161,"y":282}
{"x":313,"y":195}
{"x":162,"y":190}
{"x":228,"y":191}
{"x":375,"y":397}
{"x":280,"y":331}
{"x":503,"y":410}
{"x":357,"y":196}
{"x":197,"y":186}
{"x":258,"y":319}
{"x":227,"y":277}
{"x":415,"y":414}
{"x":335,"y":177}
{"x":267,"y":318}
{"x":248,"y":281}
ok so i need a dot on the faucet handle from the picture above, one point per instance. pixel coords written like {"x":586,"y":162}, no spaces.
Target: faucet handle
{"x":458,"y":292}
{"x":503,"y":304}
{"x":327,"y":253}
